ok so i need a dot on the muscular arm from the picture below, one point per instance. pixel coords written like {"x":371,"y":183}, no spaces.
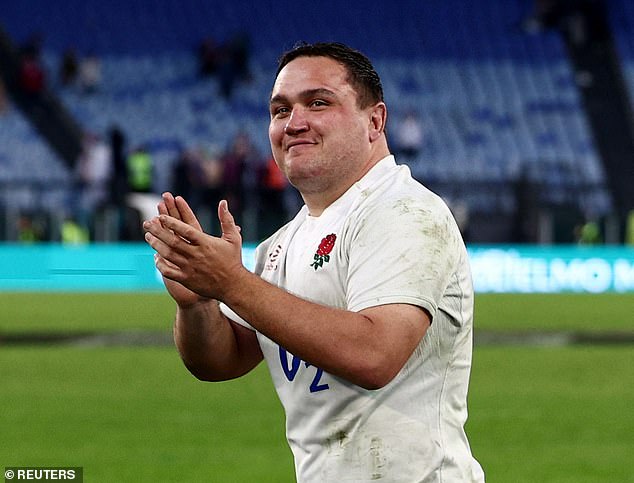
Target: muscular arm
{"x":367,"y":348}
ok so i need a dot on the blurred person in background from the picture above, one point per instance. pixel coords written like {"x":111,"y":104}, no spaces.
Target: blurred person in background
{"x":409,"y":136}
{"x":629,"y":229}
{"x":69,"y":68}
{"x":140,"y":170}
{"x":94,"y":174}
{"x":241,"y":164}
{"x":119,"y":181}
{"x":272,"y":198}
{"x":233,"y":66}
{"x":73,"y":232}
{"x":32,"y":76}
{"x":197,"y":176}
{"x":208,"y":57}
{"x":362,"y":305}
{"x":141,"y":199}
{"x":30,"y":230}
{"x":4,"y":101}
{"x":89,"y":75}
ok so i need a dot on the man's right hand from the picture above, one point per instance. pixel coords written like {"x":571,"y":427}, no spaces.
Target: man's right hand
{"x":178,"y":208}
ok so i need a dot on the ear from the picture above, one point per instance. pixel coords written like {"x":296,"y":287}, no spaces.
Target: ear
{"x":378,"y":118}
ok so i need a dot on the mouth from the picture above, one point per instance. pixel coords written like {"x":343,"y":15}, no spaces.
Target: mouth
{"x":298,"y":144}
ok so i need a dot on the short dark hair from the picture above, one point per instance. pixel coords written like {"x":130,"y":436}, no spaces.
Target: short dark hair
{"x":361,"y":74}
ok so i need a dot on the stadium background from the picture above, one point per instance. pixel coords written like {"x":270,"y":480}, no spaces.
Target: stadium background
{"x":527,"y":124}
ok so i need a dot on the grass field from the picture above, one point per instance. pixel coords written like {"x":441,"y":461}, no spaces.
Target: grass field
{"x":29,"y":312}
{"x":537,"y":414}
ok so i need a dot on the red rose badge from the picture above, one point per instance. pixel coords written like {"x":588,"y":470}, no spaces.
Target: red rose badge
{"x":323,"y":252}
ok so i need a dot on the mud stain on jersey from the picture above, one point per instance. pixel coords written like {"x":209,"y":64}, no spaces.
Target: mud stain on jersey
{"x":337,"y":440}
{"x":377,"y":459}
{"x":402,"y":205}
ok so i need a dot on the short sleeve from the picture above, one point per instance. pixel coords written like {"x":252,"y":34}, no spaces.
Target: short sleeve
{"x":258,"y":267}
{"x":402,"y":252}
{"x":230,"y":314}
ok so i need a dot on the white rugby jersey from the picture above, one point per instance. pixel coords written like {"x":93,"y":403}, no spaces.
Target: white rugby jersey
{"x":388,"y":239}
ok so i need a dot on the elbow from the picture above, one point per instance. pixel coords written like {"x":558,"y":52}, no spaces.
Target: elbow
{"x":374,"y":382}
{"x":375,"y":376}
{"x":205,"y":374}
{"x":199,"y":373}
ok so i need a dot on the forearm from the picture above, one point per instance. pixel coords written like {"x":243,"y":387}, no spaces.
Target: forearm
{"x":209,"y":346}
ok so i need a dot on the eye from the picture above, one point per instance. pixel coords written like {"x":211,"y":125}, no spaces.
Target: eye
{"x":279,"y":111}
{"x":318,"y":103}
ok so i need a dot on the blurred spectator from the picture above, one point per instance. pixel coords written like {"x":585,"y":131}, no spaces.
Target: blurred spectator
{"x":581,"y":21}
{"x":90,"y":74}
{"x":208,"y":57}
{"x":94,"y":172}
{"x":197,"y":177}
{"x":73,"y":233}
{"x":525,"y":193}
{"x":239,"y":48}
{"x":28,"y":230}
{"x":234,"y":66}
{"x":409,"y":136}
{"x":228,"y":62}
{"x":119,"y":179}
{"x":69,"y":68}
{"x":629,"y":229}
{"x":126,"y":218}
{"x":140,"y":170}
{"x":33,"y":44}
{"x":187,"y":175}
{"x":588,"y":233}
{"x":140,"y":200}
{"x":32,"y":76}
{"x":4,"y":101}
{"x":272,"y":206}
{"x":240,"y":168}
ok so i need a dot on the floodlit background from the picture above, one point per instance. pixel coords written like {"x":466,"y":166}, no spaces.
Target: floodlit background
{"x":518,"y":113}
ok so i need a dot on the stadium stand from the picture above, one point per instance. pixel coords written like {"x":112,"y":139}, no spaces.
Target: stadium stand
{"x":621,"y":16}
{"x":500,"y":105}
{"x":26,"y":162}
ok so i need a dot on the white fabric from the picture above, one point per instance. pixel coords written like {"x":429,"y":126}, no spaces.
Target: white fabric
{"x":396,"y":242}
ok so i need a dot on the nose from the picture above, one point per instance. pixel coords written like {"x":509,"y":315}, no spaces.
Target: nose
{"x":296,"y":122}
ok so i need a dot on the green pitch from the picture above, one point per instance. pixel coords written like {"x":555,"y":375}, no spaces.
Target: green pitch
{"x":553,"y":414}
{"x":555,"y":312}
{"x":135,"y":415}
{"x":537,"y":414}
{"x":28,"y":312}
{"x":559,"y":415}
{"x":85,"y":312}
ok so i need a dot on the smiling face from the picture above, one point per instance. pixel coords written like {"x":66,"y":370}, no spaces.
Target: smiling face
{"x":320,"y":138}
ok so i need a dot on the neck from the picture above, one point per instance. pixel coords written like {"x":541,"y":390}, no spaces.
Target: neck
{"x":318,"y":201}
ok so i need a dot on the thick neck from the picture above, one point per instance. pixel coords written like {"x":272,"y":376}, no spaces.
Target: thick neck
{"x":317,"y":202}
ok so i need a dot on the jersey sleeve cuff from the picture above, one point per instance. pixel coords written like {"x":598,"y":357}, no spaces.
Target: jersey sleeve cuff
{"x":231,"y":315}
{"x":426,"y":304}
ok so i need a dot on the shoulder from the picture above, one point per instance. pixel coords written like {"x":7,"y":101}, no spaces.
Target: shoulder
{"x":400,"y":203}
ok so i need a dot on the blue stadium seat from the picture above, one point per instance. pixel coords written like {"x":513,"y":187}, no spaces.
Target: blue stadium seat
{"x":495,"y":100}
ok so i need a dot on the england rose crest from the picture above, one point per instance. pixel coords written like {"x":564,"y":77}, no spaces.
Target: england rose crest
{"x":322,"y":255}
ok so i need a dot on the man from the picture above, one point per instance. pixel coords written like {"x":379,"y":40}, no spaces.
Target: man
{"x":361,"y":305}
